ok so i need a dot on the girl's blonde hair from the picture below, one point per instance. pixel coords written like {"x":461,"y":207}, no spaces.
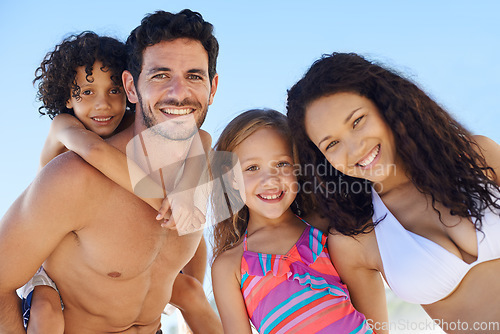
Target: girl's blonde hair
{"x":228,"y":232}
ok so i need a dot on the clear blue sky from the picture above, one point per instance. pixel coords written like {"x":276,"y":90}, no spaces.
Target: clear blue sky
{"x":451,"y":48}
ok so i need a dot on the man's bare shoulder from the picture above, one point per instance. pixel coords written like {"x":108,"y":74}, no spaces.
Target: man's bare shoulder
{"x":66,"y":179}
{"x":68,"y":167}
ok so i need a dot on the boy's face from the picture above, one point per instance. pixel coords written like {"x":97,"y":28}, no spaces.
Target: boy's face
{"x":101,"y":104}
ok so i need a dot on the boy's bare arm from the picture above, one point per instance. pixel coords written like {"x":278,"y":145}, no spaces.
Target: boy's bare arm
{"x":68,"y":132}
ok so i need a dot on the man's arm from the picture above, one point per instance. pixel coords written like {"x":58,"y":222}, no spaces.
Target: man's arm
{"x":32,"y":228}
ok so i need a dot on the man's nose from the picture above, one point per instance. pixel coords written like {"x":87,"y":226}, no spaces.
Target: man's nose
{"x":178,"y":88}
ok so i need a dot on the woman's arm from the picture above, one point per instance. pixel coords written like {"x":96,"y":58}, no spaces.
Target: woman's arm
{"x":228,"y":296}
{"x":364,"y":283}
{"x":69,"y":133}
{"x":491,"y":152}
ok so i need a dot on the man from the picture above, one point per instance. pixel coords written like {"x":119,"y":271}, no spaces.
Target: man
{"x":112,"y":262}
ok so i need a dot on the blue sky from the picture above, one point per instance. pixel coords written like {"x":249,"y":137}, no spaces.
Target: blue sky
{"x":450,"y":48}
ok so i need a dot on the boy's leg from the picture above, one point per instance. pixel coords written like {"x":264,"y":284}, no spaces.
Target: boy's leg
{"x":46,"y":315}
{"x":42,"y":305}
{"x":188,"y":295}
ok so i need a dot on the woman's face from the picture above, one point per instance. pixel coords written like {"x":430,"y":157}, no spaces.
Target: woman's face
{"x":350,"y":131}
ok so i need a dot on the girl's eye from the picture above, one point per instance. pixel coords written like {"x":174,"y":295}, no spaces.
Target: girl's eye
{"x":283,"y":164}
{"x":115,"y":91}
{"x":87,"y":92}
{"x":332,"y":144}
{"x":252,"y":168}
{"x":356,"y":122}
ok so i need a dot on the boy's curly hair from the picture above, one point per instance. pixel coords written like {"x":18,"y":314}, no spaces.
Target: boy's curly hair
{"x":57,"y":72}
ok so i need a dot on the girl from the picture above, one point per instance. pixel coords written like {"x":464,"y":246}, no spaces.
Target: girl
{"x":280,"y":284}
{"x":428,"y":219}
{"x":81,"y":89}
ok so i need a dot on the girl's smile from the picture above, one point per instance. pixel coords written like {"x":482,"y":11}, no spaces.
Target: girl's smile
{"x":268,"y":173}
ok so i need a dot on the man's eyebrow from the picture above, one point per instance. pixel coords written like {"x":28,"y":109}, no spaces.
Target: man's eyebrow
{"x":198,"y":71}
{"x":158,"y":69}
{"x":168,"y":69}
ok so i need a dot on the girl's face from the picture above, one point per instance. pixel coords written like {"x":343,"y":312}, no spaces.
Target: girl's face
{"x":349,"y":130}
{"x":102,"y":103}
{"x":268,"y":173}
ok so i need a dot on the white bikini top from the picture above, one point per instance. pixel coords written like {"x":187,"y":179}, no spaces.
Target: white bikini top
{"x":417,"y":269}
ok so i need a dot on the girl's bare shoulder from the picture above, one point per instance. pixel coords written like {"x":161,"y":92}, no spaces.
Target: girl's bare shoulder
{"x":229,"y":260}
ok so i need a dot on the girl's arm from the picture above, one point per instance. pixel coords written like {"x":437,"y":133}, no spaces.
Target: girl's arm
{"x":68,"y":133}
{"x":491,"y":152}
{"x":365,"y":284}
{"x":228,"y":296}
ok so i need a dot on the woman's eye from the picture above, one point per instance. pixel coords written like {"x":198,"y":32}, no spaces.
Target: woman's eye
{"x":332,"y":144}
{"x":356,"y":122}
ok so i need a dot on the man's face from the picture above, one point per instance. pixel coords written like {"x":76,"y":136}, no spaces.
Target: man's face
{"x":173,"y":88}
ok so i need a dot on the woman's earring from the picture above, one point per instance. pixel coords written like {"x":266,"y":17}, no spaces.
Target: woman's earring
{"x":297,"y":209}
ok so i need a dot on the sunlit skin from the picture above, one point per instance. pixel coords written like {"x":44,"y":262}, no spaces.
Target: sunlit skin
{"x":173,"y":89}
{"x":268,"y":174}
{"x":101,"y":103}
{"x":267,"y":165}
{"x":112,"y":262}
{"x":350,"y":131}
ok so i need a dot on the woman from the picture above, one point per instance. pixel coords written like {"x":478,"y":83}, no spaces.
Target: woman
{"x":414,"y":196}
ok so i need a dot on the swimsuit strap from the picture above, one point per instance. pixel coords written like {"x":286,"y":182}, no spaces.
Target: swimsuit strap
{"x":303,"y":220}
{"x":245,"y":246}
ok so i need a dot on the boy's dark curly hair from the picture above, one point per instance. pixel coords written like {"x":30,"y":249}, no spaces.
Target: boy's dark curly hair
{"x":57,"y":72}
{"x":164,"y":26}
{"x":441,"y":156}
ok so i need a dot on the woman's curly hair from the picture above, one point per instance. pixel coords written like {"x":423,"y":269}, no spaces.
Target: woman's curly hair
{"x":57,"y":72}
{"x":441,"y":157}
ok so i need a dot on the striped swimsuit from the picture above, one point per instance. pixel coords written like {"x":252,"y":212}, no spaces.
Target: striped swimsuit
{"x":299,"y":292}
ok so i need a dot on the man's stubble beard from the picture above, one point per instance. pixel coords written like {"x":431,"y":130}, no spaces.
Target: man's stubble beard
{"x":149,"y":120}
